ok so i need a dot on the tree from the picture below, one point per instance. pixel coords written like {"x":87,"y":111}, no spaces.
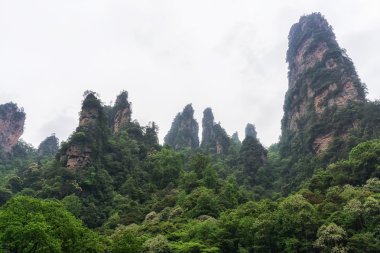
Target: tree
{"x":331,"y":238}
{"x":33,"y":225}
{"x":126,"y":240}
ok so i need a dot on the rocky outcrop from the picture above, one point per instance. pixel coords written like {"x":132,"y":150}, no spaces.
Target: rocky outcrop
{"x":78,"y":156}
{"x":208,"y":134}
{"x":12,"y":121}
{"x":235,"y":139}
{"x":250,"y":130}
{"x":122,"y":112}
{"x":48,"y":147}
{"x":214,"y":137}
{"x":184,"y":130}
{"x":85,"y":143}
{"x":322,"y":79}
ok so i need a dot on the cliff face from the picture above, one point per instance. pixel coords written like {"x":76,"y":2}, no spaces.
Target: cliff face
{"x":322,"y":78}
{"x":12,"y":121}
{"x":184,"y":130}
{"x":80,"y":150}
{"x":122,"y":112}
{"x":214,"y":137}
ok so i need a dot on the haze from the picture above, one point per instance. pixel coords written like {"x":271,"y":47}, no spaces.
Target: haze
{"x":227,"y":55}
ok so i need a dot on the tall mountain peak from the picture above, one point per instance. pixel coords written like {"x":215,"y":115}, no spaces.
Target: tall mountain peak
{"x":214,"y":137}
{"x":48,"y":147}
{"x":122,"y":111}
{"x":78,"y":152}
{"x":250,"y":130}
{"x":184,"y":130}
{"x":321,"y":78}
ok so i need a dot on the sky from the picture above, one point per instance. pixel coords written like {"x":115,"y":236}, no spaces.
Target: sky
{"x":225,"y":54}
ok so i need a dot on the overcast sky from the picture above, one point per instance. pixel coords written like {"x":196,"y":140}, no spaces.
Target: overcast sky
{"x":227,"y":55}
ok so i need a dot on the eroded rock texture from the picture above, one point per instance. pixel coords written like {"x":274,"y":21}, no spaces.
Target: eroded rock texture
{"x":86,"y":142}
{"x":322,"y":79}
{"x":12,"y":121}
{"x":122,"y":113}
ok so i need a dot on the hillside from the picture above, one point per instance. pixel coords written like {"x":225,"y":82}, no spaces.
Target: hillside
{"x":111,"y":187}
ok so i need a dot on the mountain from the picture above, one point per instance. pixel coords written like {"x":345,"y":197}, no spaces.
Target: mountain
{"x":184,"y":130}
{"x":322,"y":80}
{"x":12,"y":121}
{"x":48,"y":147}
{"x":122,"y":112}
{"x":86,"y":142}
{"x":214,"y":137}
{"x":111,"y":187}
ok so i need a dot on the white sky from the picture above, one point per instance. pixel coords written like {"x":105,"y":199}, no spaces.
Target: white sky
{"x":225,"y":54}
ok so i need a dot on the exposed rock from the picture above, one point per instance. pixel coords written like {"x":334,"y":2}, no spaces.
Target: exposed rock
{"x":78,"y":156}
{"x":48,"y":147}
{"x":12,"y":121}
{"x":321,"y":78}
{"x":214,"y":137}
{"x":122,"y":112}
{"x":208,"y":123}
{"x":85,"y":143}
{"x":184,"y":130}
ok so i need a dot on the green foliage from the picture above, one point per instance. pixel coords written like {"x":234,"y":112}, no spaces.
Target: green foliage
{"x":126,"y":240}
{"x":12,"y":108}
{"x":142,"y":197}
{"x":32,"y":225}
{"x":48,"y":147}
{"x":252,"y":157}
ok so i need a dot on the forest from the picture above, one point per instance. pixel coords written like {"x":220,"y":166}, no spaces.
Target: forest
{"x":112,"y":187}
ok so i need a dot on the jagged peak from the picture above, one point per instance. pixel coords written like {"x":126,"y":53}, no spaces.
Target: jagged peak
{"x":122,"y":112}
{"x":250,"y":131}
{"x":235,"y":138}
{"x":322,"y":79}
{"x":122,"y":100}
{"x":309,"y":26}
{"x":208,"y":114}
{"x":183,"y":132}
{"x":49,"y":146}
{"x":188,"y":111}
{"x":214,"y":137}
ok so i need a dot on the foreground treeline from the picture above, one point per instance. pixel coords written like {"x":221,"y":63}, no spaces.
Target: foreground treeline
{"x":140,"y":197}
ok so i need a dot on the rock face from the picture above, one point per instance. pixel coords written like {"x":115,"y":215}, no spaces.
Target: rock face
{"x":184,"y":130}
{"x":48,"y":147}
{"x":122,"y":112}
{"x":12,"y":121}
{"x":214,"y":137}
{"x":322,"y":78}
{"x":86,"y":141}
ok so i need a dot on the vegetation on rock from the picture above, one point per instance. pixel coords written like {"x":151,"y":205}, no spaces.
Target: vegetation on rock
{"x":111,"y":187}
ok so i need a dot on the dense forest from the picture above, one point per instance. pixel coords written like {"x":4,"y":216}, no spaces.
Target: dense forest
{"x":111,"y":187}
